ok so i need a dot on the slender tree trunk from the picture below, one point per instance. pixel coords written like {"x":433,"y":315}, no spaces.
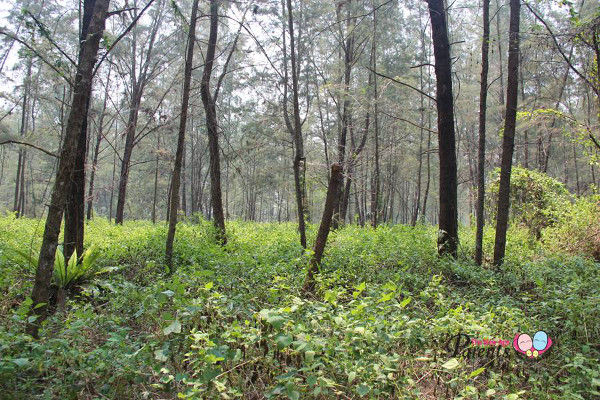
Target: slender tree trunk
{"x":112,"y":182}
{"x":376,"y":179}
{"x":348,"y":50}
{"x":485,"y":46}
{"x":212,"y":126}
{"x":99,"y":137}
{"x":500,"y":52}
{"x":81,"y":93}
{"x":295,"y":127}
{"x":331,"y":201}
{"x":448,"y":219}
{"x":22,"y":132}
{"x":176,"y":177}
{"x":508,"y":142}
{"x":155,"y":195}
{"x":128,"y":150}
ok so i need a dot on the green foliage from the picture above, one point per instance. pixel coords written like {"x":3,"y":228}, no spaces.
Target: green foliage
{"x":578,"y":229}
{"x":74,"y":270}
{"x":232,"y":323}
{"x":536,"y":199}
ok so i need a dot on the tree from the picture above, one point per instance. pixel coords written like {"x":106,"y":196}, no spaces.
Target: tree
{"x":75,"y":205}
{"x":448,"y":217}
{"x":485,"y":46}
{"x":508,"y":141}
{"x":81,"y":93}
{"x":209,"y":100}
{"x":295,"y":128}
{"x":176,"y":177}
{"x":140,"y":73}
{"x":331,"y":202}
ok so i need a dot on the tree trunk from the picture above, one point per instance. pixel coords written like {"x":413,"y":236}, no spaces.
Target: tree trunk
{"x":295,"y":129}
{"x":348,"y":50}
{"x":129,"y":143}
{"x":75,"y":205}
{"x":508,"y":142}
{"x":483,"y":89}
{"x":212,"y":127}
{"x":448,"y":216}
{"x":176,"y":177}
{"x":376,"y":180}
{"x":81,"y":93}
{"x":99,"y":137}
{"x":22,"y":132}
{"x":331,"y":200}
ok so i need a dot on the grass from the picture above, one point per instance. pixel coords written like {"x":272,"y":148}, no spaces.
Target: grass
{"x":231,"y":322}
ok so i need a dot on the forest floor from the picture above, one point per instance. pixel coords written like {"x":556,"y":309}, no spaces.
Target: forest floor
{"x":231,"y":322}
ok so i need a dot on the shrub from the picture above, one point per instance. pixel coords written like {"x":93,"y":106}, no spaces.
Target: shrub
{"x":578,"y":229}
{"x":536,"y":199}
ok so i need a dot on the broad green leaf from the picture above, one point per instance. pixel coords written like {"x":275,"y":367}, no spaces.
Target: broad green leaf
{"x":351,"y":376}
{"x":283,"y":340}
{"x":175,"y":327}
{"x":451,"y":364}
{"x":362,"y":390}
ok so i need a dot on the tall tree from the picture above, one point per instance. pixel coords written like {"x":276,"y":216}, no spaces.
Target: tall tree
{"x":75,"y":205}
{"x":347,"y":41}
{"x":176,"y":177}
{"x":483,"y":91}
{"x":81,"y":93}
{"x":208,"y":100}
{"x":448,"y":216}
{"x":141,"y":73}
{"x":99,"y":137}
{"x":508,"y":141}
{"x":295,"y":127}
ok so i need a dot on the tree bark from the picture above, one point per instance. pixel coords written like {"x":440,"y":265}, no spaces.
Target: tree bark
{"x":346,"y":117}
{"x":483,"y":90}
{"x":81,"y":93}
{"x":212,"y":127}
{"x":331,"y":202}
{"x":375,"y":199}
{"x":448,"y":215}
{"x":295,"y":128}
{"x":508,"y":142}
{"x":75,"y":205}
{"x":176,"y":177}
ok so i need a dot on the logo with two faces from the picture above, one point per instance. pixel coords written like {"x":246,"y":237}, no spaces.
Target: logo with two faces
{"x":532,"y":348}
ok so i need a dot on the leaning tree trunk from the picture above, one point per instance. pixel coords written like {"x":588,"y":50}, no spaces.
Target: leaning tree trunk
{"x":176,"y":177}
{"x":508,"y":141}
{"x":331,"y":202}
{"x":81,"y":93}
{"x":448,"y":217}
{"x":212,"y":127}
{"x":483,"y":90}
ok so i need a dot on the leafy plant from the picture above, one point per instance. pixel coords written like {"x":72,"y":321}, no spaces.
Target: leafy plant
{"x":536,"y":199}
{"x":74,"y":270}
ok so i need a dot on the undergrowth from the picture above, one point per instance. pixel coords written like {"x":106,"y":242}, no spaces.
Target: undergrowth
{"x":232,"y":322}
